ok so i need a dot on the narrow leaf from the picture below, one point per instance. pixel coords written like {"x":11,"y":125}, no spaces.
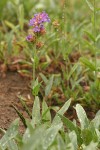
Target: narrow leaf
{"x":49,"y":86}
{"x":44,"y":78}
{"x":88,"y":64}
{"x":70,"y":125}
{"x":45,"y":112}
{"x":9,"y":135}
{"x":50,"y":135}
{"x":25,"y":106}
{"x":57,"y":119}
{"x":72,"y":70}
{"x":82,"y":116}
{"x":90,"y":36}
{"x":21,"y":116}
{"x":36,"y":112}
{"x":90,"y":5}
{"x":60,"y":143}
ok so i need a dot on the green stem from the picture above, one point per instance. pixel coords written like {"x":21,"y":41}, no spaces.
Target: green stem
{"x":94,"y":30}
{"x":34,"y":65}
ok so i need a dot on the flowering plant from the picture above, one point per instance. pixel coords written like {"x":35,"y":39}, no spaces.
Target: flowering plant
{"x":37,"y":22}
{"x":38,"y":29}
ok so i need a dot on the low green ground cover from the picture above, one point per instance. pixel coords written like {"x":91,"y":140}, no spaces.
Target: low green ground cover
{"x":59,"y":133}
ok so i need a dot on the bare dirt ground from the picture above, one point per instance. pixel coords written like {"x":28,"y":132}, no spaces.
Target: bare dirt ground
{"x":10,"y":87}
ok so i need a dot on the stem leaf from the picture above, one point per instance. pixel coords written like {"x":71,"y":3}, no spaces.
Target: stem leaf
{"x":90,"y":5}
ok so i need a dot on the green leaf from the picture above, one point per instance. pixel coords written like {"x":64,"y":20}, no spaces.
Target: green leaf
{"x":87,"y":136}
{"x":7,"y":140}
{"x":53,"y":42}
{"x":20,"y":115}
{"x":82,"y":116}
{"x":28,"y":133}
{"x":90,"y":5}
{"x":22,"y":100}
{"x":60,"y":143}
{"x":9,"y":42}
{"x":57,"y":119}
{"x":12,"y":145}
{"x":90,"y":36}
{"x":35,"y":87}
{"x":44,"y":78}
{"x":92,"y":145}
{"x":21,"y":16}
{"x":69,"y":145}
{"x":88,"y":64}
{"x":98,"y":38}
{"x":45,"y":112}
{"x":96,"y":120}
{"x":50,"y":135}
{"x":89,"y":46}
{"x":34,"y":141}
{"x":72,"y":70}
{"x":73,"y":138}
{"x":36,"y":117}
{"x":97,"y":10}
{"x":9,"y":24}
{"x":81,"y":24}
{"x":49,"y":85}
{"x":77,"y":83}
{"x":2,"y":5}
{"x":70,"y":125}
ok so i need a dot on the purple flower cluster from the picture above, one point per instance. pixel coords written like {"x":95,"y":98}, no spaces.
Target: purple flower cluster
{"x":29,"y":37}
{"x":38,"y":20}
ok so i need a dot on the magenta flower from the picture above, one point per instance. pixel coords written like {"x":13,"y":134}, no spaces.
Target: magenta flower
{"x":39,"y":18}
{"x":37,"y":22}
{"x":29,"y":37}
{"x":38,"y":28}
